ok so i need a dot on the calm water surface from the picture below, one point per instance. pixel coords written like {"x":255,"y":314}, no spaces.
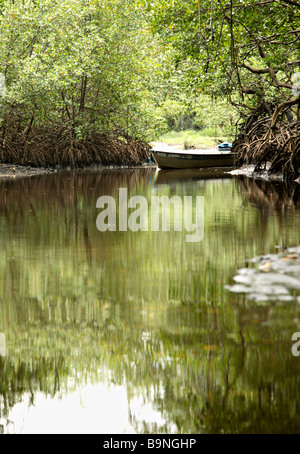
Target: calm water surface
{"x":135,"y":332}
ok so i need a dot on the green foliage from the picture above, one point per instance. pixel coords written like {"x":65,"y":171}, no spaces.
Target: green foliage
{"x":82,"y":65}
{"x":205,"y":138}
{"x":138,"y":68}
{"x":204,"y":112}
{"x":223,"y":44}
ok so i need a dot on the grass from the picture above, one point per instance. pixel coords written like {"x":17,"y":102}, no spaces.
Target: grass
{"x":206,"y":138}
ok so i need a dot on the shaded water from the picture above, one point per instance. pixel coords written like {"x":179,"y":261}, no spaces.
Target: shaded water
{"x":124,"y":332}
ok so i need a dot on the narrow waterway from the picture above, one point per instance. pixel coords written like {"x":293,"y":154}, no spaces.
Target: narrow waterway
{"x":138,"y":331}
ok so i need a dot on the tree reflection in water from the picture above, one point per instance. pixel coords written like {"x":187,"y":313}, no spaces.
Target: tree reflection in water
{"x":146,"y":310}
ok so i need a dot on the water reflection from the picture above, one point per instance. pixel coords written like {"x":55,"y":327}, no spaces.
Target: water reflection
{"x":275,"y":195}
{"x":142,"y":312}
{"x":91,"y":409}
{"x":171,"y":176}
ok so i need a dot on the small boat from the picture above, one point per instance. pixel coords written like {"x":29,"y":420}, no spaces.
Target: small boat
{"x":181,"y":159}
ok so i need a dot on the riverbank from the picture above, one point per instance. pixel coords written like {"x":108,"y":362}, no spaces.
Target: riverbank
{"x":270,"y":140}
{"x":248,"y":170}
{"x":59,"y":147}
{"x":104,"y":152}
{"x":13,"y":171}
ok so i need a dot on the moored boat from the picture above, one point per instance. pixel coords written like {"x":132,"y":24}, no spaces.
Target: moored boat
{"x":181,"y":159}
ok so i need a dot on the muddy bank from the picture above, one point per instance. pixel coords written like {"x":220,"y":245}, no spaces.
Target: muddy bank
{"x":13,"y":171}
{"x":249,"y":170}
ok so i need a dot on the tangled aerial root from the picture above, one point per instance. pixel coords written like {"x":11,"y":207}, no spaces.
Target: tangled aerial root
{"x":57,"y":145}
{"x":264,"y":142}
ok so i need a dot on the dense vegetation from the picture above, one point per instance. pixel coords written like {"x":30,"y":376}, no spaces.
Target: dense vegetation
{"x":95,"y":80}
{"x":248,"y":52}
{"x":77,"y":81}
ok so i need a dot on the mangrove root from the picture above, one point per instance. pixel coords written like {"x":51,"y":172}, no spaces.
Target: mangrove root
{"x":277,"y":144}
{"x":25,"y":144}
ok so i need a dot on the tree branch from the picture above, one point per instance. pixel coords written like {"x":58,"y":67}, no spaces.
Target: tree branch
{"x":291,"y":2}
{"x":256,"y":70}
{"x":283,"y":105}
{"x":278,"y":82}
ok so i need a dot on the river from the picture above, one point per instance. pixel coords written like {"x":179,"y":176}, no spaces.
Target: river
{"x":137,"y":331}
